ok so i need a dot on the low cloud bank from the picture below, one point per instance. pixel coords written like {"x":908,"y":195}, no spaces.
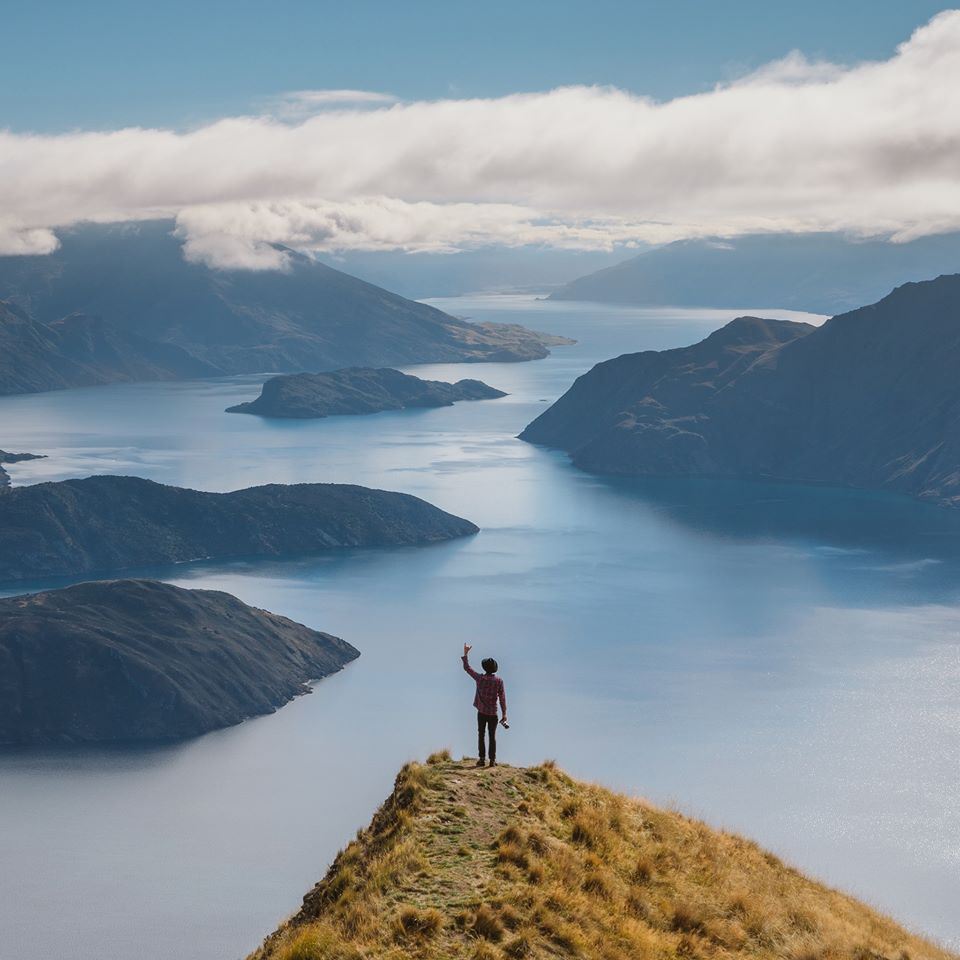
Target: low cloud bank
{"x":871,"y":149}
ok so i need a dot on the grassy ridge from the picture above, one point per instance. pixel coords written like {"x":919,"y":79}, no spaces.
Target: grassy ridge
{"x":513,"y":863}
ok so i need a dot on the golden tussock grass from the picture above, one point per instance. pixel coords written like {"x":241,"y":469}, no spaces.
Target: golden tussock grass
{"x":529,"y":863}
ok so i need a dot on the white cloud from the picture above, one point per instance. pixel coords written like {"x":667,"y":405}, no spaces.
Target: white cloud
{"x":872,"y":149}
{"x":338,"y":96}
{"x":17,"y":239}
{"x":297,"y":104}
{"x":237,"y":235}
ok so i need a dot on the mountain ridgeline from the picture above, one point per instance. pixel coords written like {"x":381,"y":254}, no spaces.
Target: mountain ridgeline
{"x":120,"y":302}
{"x":357,"y":390}
{"x":138,"y":660}
{"x":511,"y":863}
{"x":82,"y":351}
{"x":77,"y":527}
{"x":871,"y":399}
{"x":824,"y":273}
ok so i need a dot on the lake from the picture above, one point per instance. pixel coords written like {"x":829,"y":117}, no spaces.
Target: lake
{"x":781,"y":661}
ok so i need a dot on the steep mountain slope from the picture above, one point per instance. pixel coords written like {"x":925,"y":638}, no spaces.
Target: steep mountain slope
{"x":358,"y":390}
{"x":824,"y":273}
{"x":142,"y":660}
{"x":76,"y":527}
{"x":510,"y":863}
{"x":870,"y":399}
{"x":82,"y":351}
{"x":307,"y":317}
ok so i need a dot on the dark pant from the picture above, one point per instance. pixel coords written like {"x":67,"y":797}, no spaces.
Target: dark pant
{"x":486,"y":722}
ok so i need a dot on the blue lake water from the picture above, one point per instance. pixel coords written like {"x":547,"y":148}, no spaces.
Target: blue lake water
{"x":782,"y":661}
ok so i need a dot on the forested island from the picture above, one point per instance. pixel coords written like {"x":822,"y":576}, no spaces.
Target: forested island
{"x":357,"y":390}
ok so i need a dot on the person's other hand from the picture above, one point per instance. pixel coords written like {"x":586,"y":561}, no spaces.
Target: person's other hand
{"x":466,"y":648}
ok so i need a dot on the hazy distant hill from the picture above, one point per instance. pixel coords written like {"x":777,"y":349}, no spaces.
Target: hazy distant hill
{"x":130,"y":660}
{"x":822,"y":273}
{"x":527,"y":269}
{"x":870,"y":399}
{"x":310,"y":317}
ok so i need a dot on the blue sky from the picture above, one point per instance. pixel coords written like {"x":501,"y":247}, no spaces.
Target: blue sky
{"x":100,"y":65}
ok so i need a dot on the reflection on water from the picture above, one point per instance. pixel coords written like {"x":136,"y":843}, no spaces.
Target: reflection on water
{"x":780,"y":660}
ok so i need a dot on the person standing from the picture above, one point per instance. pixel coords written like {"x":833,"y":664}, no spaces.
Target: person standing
{"x":490,"y":690}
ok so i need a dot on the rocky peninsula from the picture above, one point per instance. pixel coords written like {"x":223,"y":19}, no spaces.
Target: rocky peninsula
{"x":74,"y":528}
{"x":871,"y":399}
{"x":140,"y":660}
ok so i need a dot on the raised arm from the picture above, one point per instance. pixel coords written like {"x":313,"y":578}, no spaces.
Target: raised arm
{"x":466,"y":663}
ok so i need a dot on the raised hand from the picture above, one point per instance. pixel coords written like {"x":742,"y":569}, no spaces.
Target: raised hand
{"x":466,"y":648}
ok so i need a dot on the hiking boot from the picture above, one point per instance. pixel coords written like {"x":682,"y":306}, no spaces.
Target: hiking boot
{"x":479,"y":763}
{"x":492,"y":763}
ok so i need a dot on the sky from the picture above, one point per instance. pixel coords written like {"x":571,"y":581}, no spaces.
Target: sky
{"x":98,"y":65}
{"x":581,"y":125}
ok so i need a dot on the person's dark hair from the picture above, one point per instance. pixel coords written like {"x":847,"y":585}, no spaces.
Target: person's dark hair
{"x":489,"y":665}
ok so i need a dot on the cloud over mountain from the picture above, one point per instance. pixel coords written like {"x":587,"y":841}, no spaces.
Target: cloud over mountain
{"x":871,"y":149}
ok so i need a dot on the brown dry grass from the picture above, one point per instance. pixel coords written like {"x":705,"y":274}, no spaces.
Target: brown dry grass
{"x":529,"y":863}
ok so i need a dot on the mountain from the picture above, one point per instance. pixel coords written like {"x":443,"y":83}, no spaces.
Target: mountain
{"x":358,"y":390}
{"x":129,"y":660}
{"x":81,"y":351}
{"x":497,"y":269}
{"x":507,"y":863}
{"x":76,"y":527}
{"x":821,"y":272}
{"x":307,"y":317}
{"x":870,"y":399}
{"x":13,"y":458}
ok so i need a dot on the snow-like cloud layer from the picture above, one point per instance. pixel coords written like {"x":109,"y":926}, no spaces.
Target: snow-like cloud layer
{"x":871,"y":149}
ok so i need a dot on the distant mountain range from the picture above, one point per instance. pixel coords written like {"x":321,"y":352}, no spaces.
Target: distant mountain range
{"x":526,"y":269}
{"x":870,"y":399}
{"x":357,"y":390}
{"x":821,"y":273}
{"x":138,"y":660}
{"x":101,"y":524}
{"x":119,"y":302}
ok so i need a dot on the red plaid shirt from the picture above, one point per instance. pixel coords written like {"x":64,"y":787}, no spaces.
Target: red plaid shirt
{"x":489,"y":691}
